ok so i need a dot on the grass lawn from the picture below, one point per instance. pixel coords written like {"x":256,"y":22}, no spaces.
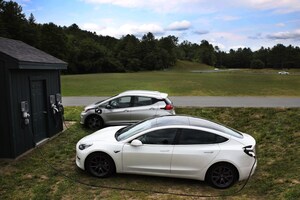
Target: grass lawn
{"x":180,"y":81}
{"x":277,"y":132}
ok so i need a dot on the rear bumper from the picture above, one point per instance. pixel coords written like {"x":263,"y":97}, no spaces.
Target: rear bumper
{"x":244,"y":172}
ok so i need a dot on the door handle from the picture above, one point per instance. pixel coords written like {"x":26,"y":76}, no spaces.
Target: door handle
{"x":126,"y":110}
{"x":152,"y":109}
{"x":45,"y":112}
{"x":164,"y":150}
{"x":208,"y":151}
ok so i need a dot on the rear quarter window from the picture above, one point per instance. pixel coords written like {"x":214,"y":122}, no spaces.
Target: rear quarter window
{"x":144,"y":101}
{"x":192,"y":136}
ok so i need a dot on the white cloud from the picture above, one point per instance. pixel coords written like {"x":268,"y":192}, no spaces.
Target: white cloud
{"x":161,"y":6}
{"x":92,"y":27}
{"x":227,"y":18}
{"x":204,"y":6}
{"x":295,"y":35}
{"x":280,"y":24}
{"x":279,"y":6}
{"x":134,"y":29}
{"x":179,"y":25}
{"x":201,"y":32}
{"x":228,"y":36}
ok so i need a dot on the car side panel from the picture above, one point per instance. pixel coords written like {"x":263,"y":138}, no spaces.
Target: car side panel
{"x":147,"y":159}
{"x":190,"y":160}
{"x":143,"y":112}
{"x":116,"y":116}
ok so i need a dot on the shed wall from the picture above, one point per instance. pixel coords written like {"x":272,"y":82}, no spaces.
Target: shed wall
{"x":20,"y":81}
{"x":5,"y":115}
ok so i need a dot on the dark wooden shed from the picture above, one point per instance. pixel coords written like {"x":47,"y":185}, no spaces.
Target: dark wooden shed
{"x":30,"y":97}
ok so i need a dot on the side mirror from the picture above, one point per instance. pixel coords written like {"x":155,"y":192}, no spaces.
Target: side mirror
{"x":136,"y":143}
{"x":108,"y":106}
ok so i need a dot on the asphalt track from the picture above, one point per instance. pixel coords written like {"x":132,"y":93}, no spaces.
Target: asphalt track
{"x":207,"y":101}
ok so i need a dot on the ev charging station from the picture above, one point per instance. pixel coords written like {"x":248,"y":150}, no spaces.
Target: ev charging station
{"x":30,"y":97}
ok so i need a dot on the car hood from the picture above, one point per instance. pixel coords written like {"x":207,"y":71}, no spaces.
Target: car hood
{"x":105,"y":134}
{"x":91,"y":106}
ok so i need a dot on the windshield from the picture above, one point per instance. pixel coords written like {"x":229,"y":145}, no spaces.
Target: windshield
{"x":131,"y":130}
{"x":104,"y":100}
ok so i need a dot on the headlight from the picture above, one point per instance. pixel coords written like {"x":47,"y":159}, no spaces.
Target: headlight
{"x":84,"y":146}
{"x":88,"y":109}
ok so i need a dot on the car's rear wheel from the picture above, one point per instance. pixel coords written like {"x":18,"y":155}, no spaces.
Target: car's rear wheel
{"x":94,"y":122}
{"x":100,"y":165}
{"x":222,"y":175}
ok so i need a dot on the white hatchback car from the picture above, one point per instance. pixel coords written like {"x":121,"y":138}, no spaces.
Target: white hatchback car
{"x":127,"y":108}
{"x":171,"y":146}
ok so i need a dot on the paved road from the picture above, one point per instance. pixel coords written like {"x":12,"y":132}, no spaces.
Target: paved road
{"x":206,"y":101}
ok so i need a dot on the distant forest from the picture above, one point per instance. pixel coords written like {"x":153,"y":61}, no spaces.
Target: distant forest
{"x":87,"y":52}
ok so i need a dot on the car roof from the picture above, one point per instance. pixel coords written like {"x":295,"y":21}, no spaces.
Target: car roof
{"x":193,"y":121}
{"x":155,"y":94}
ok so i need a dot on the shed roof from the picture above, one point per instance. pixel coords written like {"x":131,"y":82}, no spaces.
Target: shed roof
{"x":25,"y":53}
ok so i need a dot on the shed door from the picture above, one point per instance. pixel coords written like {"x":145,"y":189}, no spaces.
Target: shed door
{"x":39,"y":113}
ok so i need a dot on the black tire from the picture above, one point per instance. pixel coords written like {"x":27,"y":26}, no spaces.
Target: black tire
{"x":100,"y":165}
{"x":222,"y":175}
{"x":94,"y":122}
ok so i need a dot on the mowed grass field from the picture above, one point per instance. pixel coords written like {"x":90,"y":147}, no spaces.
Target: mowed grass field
{"x":49,"y":172}
{"x":180,"y":81}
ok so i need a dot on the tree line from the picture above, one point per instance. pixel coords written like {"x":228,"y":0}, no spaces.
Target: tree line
{"x":278,"y":57}
{"x":87,"y":52}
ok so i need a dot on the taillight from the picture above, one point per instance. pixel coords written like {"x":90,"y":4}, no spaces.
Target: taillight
{"x":169,"y":107}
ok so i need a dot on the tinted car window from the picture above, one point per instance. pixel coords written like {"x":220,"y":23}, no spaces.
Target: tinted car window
{"x":143,"y":101}
{"x":191,"y":136}
{"x":163,"y":136}
{"x":122,"y":102}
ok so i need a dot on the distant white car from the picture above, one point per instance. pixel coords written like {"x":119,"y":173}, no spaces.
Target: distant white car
{"x":283,"y":73}
{"x":171,"y":146}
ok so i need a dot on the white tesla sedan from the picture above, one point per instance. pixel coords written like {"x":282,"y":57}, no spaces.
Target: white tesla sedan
{"x":171,"y":146}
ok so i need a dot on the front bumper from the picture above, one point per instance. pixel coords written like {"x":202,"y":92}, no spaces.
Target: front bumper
{"x":80,"y":159}
{"x":83,"y":116}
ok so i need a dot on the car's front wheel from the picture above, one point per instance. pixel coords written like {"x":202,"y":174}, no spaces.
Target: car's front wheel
{"x":94,"y":122}
{"x":100,"y":165}
{"x":222,"y":175}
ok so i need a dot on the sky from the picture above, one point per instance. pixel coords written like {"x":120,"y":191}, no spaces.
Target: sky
{"x":228,"y":24}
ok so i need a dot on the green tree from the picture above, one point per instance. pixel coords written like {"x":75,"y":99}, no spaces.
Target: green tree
{"x":257,"y":64}
{"x":207,"y":54}
{"x":54,"y":41}
{"x":277,"y":56}
{"x":168,"y":46}
{"x":91,"y":57}
{"x":263,"y":55}
{"x":31,"y":32}
{"x":128,"y":52}
{"x":12,"y":19}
